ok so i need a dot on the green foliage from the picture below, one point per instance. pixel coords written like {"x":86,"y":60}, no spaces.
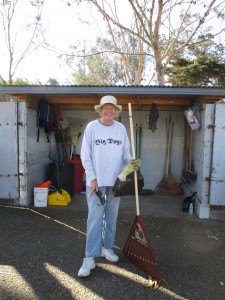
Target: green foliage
{"x":20,"y":81}
{"x":99,"y":70}
{"x":202,"y":71}
{"x":96,"y":67}
{"x":52,"y":81}
{"x":36,"y":82}
{"x":107,"y":63}
{"x":160,"y":31}
{"x":2,"y":97}
{"x":23,"y":81}
{"x":202,"y":64}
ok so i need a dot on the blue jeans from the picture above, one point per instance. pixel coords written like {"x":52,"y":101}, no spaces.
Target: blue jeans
{"x":101,"y":222}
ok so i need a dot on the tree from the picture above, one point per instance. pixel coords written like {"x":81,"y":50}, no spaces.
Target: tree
{"x":98,"y":66}
{"x":20,"y":81}
{"x":202,"y":65}
{"x":52,"y":81}
{"x":98,"y":70}
{"x":202,"y":71}
{"x":15,"y":22}
{"x":163,"y":28}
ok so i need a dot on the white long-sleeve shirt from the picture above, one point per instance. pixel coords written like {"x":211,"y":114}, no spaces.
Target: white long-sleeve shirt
{"x":105,"y":151}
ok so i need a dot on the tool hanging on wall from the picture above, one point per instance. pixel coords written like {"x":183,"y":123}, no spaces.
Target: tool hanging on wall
{"x":168,"y":184}
{"x":138,"y":248}
{"x":73,"y":134}
{"x":138,"y":139}
{"x":61,"y":143}
{"x":153,"y":117}
{"x":188,"y":172}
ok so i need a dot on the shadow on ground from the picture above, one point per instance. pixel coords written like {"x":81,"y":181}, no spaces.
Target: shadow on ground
{"x":42,"y":250}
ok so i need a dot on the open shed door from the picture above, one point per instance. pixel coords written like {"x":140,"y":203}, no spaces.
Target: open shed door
{"x":217,"y":183}
{"x":9,"y":182}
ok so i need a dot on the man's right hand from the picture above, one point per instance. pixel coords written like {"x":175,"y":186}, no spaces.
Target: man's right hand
{"x":94,"y":186}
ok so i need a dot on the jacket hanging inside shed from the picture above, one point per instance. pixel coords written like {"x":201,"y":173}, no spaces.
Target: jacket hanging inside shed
{"x":153,"y":117}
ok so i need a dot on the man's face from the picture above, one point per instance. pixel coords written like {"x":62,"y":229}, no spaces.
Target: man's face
{"x":108,"y":112}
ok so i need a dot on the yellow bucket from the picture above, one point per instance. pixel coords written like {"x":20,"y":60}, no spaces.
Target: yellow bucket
{"x":60,"y":198}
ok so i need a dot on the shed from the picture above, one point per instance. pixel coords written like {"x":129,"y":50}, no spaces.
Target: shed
{"x":26,"y":160}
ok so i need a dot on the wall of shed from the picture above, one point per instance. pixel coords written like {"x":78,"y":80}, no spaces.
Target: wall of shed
{"x":24,"y":160}
{"x":37,"y":155}
{"x":202,"y":151}
{"x":217,"y":176}
{"x":8,"y":151}
{"x":153,"y":143}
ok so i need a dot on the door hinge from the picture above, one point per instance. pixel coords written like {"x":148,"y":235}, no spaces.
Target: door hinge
{"x":211,"y":126}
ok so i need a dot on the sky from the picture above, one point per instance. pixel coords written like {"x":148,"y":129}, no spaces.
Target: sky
{"x":63,"y":29}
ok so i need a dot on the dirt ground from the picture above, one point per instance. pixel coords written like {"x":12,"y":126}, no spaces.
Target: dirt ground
{"x":42,"y":250}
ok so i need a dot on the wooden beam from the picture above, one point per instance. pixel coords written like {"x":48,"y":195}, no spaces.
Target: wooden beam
{"x":213,"y":97}
{"x":121,"y":101}
{"x":139,"y":102}
{"x":21,"y":97}
{"x":134,"y":107}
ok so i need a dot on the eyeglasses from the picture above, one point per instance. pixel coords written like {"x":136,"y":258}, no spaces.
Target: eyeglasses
{"x":101,"y":198}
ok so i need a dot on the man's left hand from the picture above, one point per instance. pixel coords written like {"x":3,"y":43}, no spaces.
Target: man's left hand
{"x":133,"y":166}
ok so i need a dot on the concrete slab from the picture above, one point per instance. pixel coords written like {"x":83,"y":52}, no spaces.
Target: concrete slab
{"x":170,"y":206}
{"x":157,"y":205}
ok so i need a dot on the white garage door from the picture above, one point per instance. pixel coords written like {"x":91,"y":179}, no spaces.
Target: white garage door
{"x":8,"y":151}
{"x":217,"y":188}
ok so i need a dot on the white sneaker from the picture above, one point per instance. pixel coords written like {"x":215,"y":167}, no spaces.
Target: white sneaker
{"x":87,"y":266}
{"x":109,"y":255}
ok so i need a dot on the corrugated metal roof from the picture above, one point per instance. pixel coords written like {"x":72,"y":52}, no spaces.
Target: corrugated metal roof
{"x":86,"y":89}
{"x":85,"y":97}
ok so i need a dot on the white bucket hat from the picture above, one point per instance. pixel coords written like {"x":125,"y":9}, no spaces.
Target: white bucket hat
{"x":108,"y":100}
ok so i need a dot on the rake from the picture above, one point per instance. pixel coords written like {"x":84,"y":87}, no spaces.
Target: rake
{"x":168,"y":184}
{"x":138,"y":248}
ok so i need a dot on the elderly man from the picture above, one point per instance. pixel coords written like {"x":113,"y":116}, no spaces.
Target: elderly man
{"x":105,"y":155}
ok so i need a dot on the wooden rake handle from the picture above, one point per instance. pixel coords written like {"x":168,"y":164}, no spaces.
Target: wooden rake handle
{"x":133,"y":156}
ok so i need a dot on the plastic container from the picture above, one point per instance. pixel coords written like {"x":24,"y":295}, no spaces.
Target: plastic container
{"x":45,"y":184}
{"x":40,"y":197}
{"x":78,"y":174}
{"x":190,"y":210}
{"x":62,"y":176}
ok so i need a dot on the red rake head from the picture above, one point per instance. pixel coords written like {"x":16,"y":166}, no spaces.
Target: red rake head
{"x":139,"y":251}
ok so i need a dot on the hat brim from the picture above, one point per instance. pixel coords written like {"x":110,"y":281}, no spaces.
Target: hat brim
{"x":98,"y":107}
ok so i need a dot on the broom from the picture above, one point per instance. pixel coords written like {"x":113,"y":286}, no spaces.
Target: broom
{"x":168,"y":184}
{"x":138,"y":247}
